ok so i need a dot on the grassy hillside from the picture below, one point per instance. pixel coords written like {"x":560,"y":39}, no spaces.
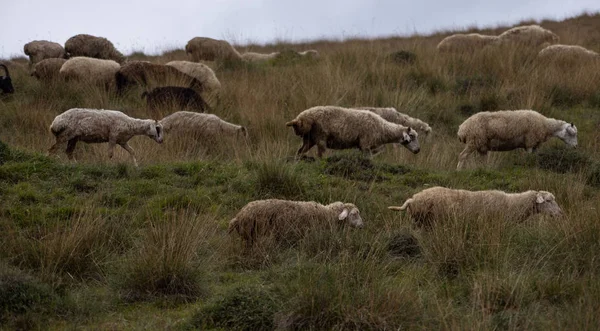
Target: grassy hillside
{"x":100,"y":244}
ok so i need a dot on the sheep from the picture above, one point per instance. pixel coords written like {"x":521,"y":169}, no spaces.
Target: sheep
{"x":465,"y":42}
{"x":506,"y":130}
{"x":92,"y":46}
{"x":252,"y":57}
{"x":528,"y":35}
{"x":98,"y":126}
{"x":208,"y":49}
{"x":146,"y":73}
{"x":200,"y":71}
{"x":311,"y":54}
{"x":439,"y":202}
{"x":568,"y":53}
{"x":207,"y":129}
{"x":39,"y":50}
{"x":285,"y":219}
{"x":5,"y":81}
{"x":341,"y":128}
{"x":47,"y":69}
{"x":90,"y":69}
{"x":182,"y":97}
{"x":390,"y":114}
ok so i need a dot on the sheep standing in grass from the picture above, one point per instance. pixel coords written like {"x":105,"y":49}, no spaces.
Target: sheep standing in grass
{"x":39,"y":50}
{"x":571,"y":53}
{"x":152,"y":74}
{"x":465,"y":42}
{"x":99,"y":126}
{"x":506,"y":130}
{"x":208,"y":49}
{"x":341,"y":128}
{"x":440,"y":202}
{"x":528,"y":35}
{"x":90,"y":69}
{"x":201,"y":72}
{"x":252,"y":57}
{"x":284,"y":219}
{"x":92,"y":46}
{"x":390,"y":114}
{"x":182,"y":97}
{"x":48,"y":69}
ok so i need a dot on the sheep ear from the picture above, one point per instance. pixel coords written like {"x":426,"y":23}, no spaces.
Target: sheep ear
{"x":539,"y":198}
{"x":343,"y":215}
{"x":406,"y":136}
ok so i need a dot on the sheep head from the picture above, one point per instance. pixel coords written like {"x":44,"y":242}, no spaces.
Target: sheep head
{"x":410,"y":140}
{"x":546,"y":203}
{"x":155,"y":131}
{"x":568,"y":134}
{"x":351,"y":215}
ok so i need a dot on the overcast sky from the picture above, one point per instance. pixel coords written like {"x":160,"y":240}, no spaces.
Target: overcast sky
{"x":152,"y":26}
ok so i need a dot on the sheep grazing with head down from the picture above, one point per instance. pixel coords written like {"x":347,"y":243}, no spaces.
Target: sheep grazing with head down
{"x":528,"y":35}
{"x":152,"y":74}
{"x":288,"y":220}
{"x":465,"y":42}
{"x":342,"y":128}
{"x":99,"y":126}
{"x":181,"y":97}
{"x":48,"y":69}
{"x":390,"y":114}
{"x":506,"y":130}
{"x":92,"y":46}
{"x":89,"y":69}
{"x":39,"y":50}
{"x":438,"y":202}
{"x":208,"y":49}
{"x":201,"y":72}
{"x":568,"y":53}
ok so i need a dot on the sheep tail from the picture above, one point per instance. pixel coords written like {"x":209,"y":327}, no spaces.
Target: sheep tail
{"x":403,"y":207}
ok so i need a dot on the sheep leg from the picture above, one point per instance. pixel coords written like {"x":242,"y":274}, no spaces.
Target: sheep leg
{"x":111,"y":149}
{"x":59,"y":141}
{"x":130,"y":150}
{"x":70,"y":148}
{"x":321,"y":148}
{"x":307,"y":144}
{"x":463,"y":155}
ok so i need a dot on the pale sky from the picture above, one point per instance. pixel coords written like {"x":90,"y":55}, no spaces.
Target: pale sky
{"x":152,"y":26}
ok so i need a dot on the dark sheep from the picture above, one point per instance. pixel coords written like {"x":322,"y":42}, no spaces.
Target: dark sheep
{"x":146,"y":73}
{"x":182,"y":97}
{"x":6,"y":82}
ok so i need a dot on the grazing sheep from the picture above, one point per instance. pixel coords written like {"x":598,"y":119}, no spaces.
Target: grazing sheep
{"x":152,"y":74}
{"x":207,"y":129}
{"x":572,"y":53}
{"x":200,"y":71}
{"x":90,"y":70}
{"x":285,"y":219}
{"x":39,"y":50}
{"x":528,"y":35}
{"x":5,"y":81}
{"x":465,"y":42}
{"x":390,"y":114}
{"x":311,"y":53}
{"x":208,"y":49}
{"x":252,"y":57}
{"x":341,"y":128}
{"x":181,"y":97}
{"x":439,"y":202}
{"x":99,"y":126}
{"x":48,"y":69}
{"x":506,"y":130}
{"x":92,"y":46}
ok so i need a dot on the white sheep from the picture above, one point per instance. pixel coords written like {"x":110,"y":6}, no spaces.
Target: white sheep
{"x":285,"y":219}
{"x":341,"y":128}
{"x":201,"y":72}
{"x":528,"y":35}
{"x":38,"y":50}
{"x":99,"y":126}
{"x":440,"y":202}
{"x":572,"y":53}
{"x":207,"y":129}
{"x":253,"y":57}
{"x":208,"y":49}
{"x":506,"y":130}
{"x":465,"y":42}
{"x":90,"y":69}
{"x":311,"y":53}
{"x":390,"y":114}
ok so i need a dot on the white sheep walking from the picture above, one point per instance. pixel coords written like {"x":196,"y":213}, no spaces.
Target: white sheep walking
{"x":99,"y":126}
{"x":506,"y":130}
{"x":207,"y":129}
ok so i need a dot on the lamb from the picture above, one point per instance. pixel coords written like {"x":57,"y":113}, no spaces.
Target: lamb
{"x":98,"y":126}
{"x":207,"y":129}
{"x":48,"y":69}
{"x":146,"y":73}
{"x":285,"y":219}
{"x":200,"y":71}
{"x":439,"y":202}
{"x":90,"y":69}
{"x":506,"y":130}
{"x":208,"y":49}
{"x":341,"y":128}
{"x":465,"y":42}
{"x":5,"y":81}
{"x":182,"y":97}
{"x":528,"y":35}
{"x":92,"y":46}
{"x":390,"y":114}
{"x":568,"y":53}
{"x":39,"y":50}
{"x":252,"y":57}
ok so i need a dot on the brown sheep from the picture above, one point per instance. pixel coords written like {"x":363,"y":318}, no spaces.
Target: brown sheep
{"x":48,"y":69}
{"x":92,"y":46}
{"x":181,"y":97}
{"x":152,"y":74}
